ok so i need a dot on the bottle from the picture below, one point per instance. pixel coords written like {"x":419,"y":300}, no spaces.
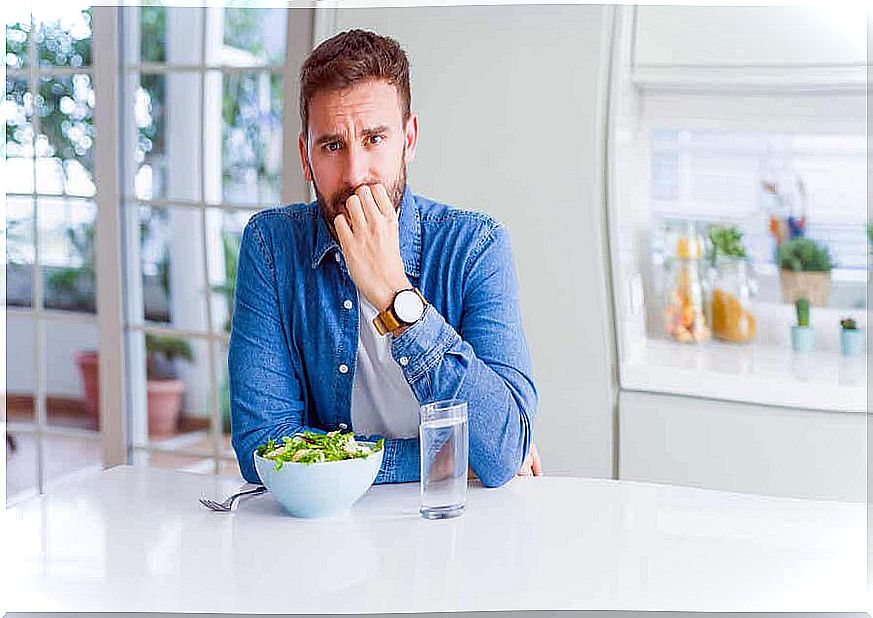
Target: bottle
{"x":684,"y":305}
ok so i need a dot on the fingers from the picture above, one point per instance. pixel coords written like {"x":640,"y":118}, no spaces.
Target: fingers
{"x":343,"y":231}
{"x":386,"y":206}
{"x":536,"y":463}
{"x":356,"y":213}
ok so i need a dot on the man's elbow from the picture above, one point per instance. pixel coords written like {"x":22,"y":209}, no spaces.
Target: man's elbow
{"x":499,"y":473}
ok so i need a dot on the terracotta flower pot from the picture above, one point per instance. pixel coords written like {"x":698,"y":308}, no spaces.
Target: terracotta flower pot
{"x":165,"y":404}
{"x":164,"y":396}
{"x":88,"y":368}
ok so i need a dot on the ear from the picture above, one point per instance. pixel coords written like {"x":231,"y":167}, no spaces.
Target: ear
{"x":304,"y":158}
{"x":411,"y":137}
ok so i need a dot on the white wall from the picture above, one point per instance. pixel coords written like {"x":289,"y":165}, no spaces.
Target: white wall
{"x":509,"y":105}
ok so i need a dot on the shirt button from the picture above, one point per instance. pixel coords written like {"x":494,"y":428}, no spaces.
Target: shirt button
{"x":343,"y":368}
{"x":404,"y":360}
{"x":347,"y":304}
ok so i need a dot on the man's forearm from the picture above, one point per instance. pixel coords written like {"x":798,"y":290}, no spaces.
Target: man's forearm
{"x":438,"y":365}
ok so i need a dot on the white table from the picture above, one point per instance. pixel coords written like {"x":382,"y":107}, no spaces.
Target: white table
{"x":137,"y":540}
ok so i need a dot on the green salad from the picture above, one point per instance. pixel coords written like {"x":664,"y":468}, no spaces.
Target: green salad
{"x":310,"y":447}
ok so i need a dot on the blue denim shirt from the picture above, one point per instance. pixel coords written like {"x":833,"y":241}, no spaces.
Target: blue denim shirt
{"x":294,"y":338}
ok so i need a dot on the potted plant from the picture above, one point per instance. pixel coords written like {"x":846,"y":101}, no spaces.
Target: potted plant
{"x":802,"y":334}
{"x":163,"y":386}
{"x":805,"y":271}
{"x":851,"y":338}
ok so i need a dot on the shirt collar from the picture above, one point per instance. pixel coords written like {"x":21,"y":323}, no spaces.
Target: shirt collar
{"x":409,"y":224}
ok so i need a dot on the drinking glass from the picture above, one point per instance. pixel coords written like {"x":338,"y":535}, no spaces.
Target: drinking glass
{"x":444,"y":455}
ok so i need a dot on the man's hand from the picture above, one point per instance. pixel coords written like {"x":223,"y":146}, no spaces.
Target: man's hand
{"x":531,"y":466}
{"x":370,"y":241}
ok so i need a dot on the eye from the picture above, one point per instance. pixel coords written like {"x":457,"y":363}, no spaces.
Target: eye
{"x":332,"y":146}
{"x":376,"y":139}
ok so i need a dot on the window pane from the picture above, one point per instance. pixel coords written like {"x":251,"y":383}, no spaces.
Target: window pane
{"x":21,"y":482}
{"x":17,"y":20}
{"x":65,"y":144}
{"x":176,"y":397}
{"x":172,"y":269}
{"x":18,"y":111}
{"x":20,"y":368}
{"x":719,"y":176}
{"x":66,"y":228}
{"x":63,"y":35}
{"x":72,"y":380}
{"x":251,"y":129}
{"x":153,"y":33}
{"x":68,"y":458}
{"x":19,"y":251}
{"x":167,"y":152}
{"x":253,"y":36}
{"x":224,"y":398}
{"x":224,"y":230}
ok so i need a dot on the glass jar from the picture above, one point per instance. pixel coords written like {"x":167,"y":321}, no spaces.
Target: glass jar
{"x":684,"y":315}
{"x":731,"y":307}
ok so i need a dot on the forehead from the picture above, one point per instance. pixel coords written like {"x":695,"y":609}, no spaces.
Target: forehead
{"x":367,"y":104}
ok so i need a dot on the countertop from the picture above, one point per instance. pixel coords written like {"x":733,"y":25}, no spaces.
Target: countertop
{"x":137,"y":540}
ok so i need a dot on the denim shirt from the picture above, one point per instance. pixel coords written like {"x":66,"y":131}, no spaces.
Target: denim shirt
{"x":294,"y":335}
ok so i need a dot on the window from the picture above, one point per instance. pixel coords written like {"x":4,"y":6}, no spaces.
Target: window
{"x":716,"y":177}
{"x":198,"y":126}
{"x":50,"y":214}
{"x":203,"y":108}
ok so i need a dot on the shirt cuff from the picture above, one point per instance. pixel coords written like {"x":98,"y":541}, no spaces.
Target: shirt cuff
{"x":423,"y":344}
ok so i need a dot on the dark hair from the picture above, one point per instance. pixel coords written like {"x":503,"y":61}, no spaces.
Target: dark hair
{"x":349,"y":58}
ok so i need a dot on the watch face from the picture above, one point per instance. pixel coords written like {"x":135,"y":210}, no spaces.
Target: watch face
{"x":408,"y":306}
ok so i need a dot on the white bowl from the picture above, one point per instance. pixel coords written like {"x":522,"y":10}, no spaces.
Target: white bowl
{"x":319,"y":489}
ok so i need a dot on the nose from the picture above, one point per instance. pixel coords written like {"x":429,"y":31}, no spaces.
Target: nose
{"x":357,"y":166}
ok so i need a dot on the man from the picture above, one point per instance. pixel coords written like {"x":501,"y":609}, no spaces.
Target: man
{"x":353,"y":310}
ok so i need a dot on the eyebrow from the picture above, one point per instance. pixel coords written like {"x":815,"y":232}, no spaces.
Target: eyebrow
{"x":336,"y":137}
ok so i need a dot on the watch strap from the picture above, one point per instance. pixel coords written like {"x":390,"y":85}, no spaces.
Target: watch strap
{"x":387,"y":321}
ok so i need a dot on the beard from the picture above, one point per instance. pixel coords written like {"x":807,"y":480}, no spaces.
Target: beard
{"x":335,"y":204}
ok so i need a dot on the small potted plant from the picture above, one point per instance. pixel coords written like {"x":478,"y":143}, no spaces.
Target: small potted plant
{"x":805,"y":270}
{"x":163,"y":386}
{"x":802,"y":334}
{"x":851,"y":338}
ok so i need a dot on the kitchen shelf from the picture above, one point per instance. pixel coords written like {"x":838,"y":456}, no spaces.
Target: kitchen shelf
{"x":747,"y":373}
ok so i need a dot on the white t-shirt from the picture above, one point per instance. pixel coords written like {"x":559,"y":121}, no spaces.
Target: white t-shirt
{"x":382,"y":401}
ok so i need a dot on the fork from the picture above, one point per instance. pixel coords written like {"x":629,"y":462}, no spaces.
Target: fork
{"x":226,"y":505}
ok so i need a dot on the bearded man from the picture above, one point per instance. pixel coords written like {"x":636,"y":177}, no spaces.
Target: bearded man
{"x":353,"y":310}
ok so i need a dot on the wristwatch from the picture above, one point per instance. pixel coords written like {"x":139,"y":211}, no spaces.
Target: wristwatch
{"x":407,"y":308}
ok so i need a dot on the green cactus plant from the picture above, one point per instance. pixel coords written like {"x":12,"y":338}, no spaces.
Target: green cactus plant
{"x":802,"y":306}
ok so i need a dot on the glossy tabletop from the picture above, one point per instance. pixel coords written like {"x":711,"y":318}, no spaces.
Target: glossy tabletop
{"x":137,"y":540}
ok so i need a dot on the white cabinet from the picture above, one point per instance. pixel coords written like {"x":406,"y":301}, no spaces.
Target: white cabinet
{"x":742,"y":447}
{"x":750,"y":35}
{"x":799,"y":48}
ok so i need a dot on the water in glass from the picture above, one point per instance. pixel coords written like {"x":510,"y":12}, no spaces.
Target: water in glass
{"x":444,"y":455}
